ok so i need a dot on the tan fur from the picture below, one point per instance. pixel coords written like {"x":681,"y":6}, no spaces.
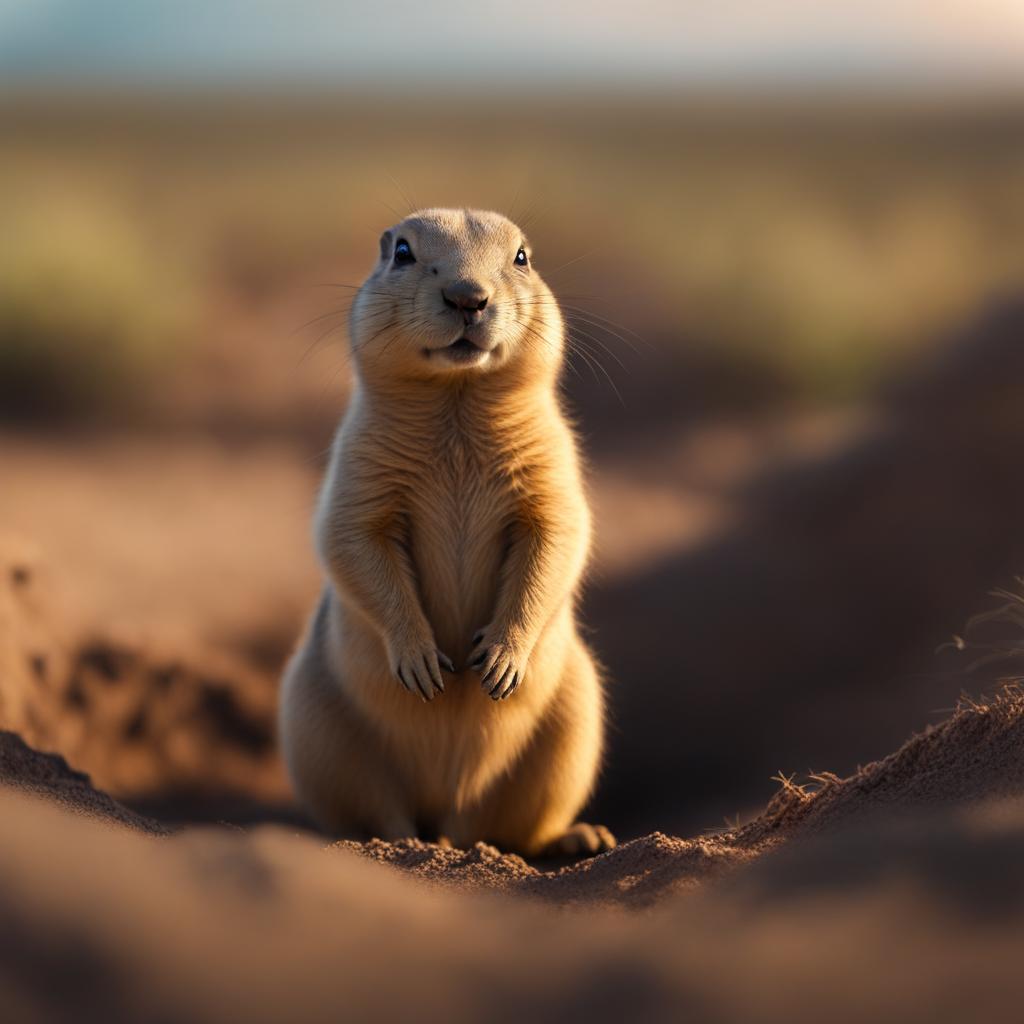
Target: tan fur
{"x":453,"y":504}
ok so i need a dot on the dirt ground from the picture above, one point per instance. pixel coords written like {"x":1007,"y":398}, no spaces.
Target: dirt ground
{"x":893,"y":894}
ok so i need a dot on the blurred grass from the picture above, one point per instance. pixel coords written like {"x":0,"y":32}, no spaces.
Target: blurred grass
{"x":89,"y":313}
{"x":1004,"y":646}
{"x":818,"y":244}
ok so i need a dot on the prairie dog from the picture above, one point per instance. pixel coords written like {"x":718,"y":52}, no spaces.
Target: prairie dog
{"x":441,"y":687}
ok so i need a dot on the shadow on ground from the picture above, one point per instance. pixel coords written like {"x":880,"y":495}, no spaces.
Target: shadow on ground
{"x":807,"y":637}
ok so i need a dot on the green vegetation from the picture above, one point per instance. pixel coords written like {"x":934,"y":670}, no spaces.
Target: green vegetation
{"x":820,"y":244}
{"x":89,"y":312}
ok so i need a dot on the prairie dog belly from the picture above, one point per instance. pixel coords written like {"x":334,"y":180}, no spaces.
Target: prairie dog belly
{"x":457,"y":547}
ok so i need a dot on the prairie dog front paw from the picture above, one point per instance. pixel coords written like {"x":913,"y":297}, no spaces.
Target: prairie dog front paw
{"x":417,"y":666}
{"x":500,"y":661}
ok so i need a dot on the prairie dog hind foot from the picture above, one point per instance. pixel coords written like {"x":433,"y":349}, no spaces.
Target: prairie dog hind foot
{"x":580,"y":840}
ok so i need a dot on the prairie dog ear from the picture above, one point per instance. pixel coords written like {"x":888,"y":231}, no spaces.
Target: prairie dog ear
{"x":385,"y":245}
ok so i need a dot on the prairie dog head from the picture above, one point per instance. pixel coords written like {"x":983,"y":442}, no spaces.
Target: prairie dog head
{"x":454,"y":294}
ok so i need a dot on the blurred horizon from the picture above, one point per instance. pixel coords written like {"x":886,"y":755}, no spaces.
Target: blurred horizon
{"x":906,"y":45}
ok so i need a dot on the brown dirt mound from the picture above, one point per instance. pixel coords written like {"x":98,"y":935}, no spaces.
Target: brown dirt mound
{"x":139,"y":721}
{"x":636,"y":873}
{"x":101,"y":924}
{"x":49,"y":776}
{"x":973,"y":757}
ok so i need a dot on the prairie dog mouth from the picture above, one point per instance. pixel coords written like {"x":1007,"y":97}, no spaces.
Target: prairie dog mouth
{"x":462,"y":352}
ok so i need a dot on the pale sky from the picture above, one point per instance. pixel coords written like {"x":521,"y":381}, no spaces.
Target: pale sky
{"x":514,"y":41}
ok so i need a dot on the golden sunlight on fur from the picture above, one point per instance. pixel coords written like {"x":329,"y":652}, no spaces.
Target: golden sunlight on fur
{"x":442,"y":686}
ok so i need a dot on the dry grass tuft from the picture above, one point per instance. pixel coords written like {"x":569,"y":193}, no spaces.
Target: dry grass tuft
{"x":1006,"y":620}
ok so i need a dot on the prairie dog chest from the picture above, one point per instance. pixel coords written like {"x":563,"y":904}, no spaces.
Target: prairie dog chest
{"x":461,"y":505}
{"x":461,"y":508}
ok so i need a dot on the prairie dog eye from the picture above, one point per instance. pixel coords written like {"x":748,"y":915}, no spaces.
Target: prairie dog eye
{"x":521,"y":260}
{"x":403,"y":253}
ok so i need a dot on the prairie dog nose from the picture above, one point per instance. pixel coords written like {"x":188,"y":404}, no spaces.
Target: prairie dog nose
{"x":466,"y":296}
